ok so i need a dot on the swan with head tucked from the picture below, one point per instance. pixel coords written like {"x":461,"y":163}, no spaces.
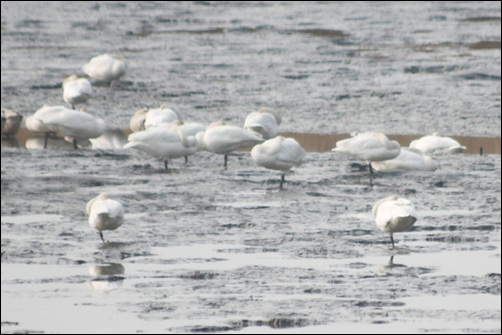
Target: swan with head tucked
{"x":11,"y":121}
{"x":165,"y":141}
{"x":369,"y":147}
{"x":221,"y":138}
{"x":73,"y":125}
{"x":409,"y":159}
{"x":137,"y":122}
{"x":104,"y":214}
{"x":393,"y":215}
{"x":106,"y":67}
{"x":435,"y":143}
{"x":279,"y":153}
{"x":76,"y":90}
{"x":265,"y":122}
{"x":159,"y":116}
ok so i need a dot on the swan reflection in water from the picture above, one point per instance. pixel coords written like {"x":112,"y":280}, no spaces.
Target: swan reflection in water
{"x":106,"y":276}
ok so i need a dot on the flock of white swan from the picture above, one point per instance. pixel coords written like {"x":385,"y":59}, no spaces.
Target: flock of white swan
{"x":161,"y":133}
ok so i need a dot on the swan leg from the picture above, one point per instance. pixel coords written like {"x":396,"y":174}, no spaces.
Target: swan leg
{"x":391,"y":240}
{"x":102,"y":238}
{"x":225,"y":162}
{"x":186,"y":160}
{"x":282,"y":181}
{"x":75,"y":144}
{"x":371,"y":174}
{"x":46,"y":140}
{"x":165,"y":164}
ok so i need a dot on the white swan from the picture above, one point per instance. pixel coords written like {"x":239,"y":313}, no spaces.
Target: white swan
{"x":393,"y":214}
{"x":73,"y":125}
{"x":435,"y":143}
{"x":104,"y":213}
{"x":163,"y":141}
{"x":137,"y":122}
{"x":158,"y":116}
{"x":110,"y":139}
{"x":279,"y":153}
{"x":11,"y":121}
{"x":106,"y":67}
{"x":76,"y":90}
{"x":223,"y":139}
{"x":265,"y":122}
{"x":409,"y":159}
{"x":369,"y":147}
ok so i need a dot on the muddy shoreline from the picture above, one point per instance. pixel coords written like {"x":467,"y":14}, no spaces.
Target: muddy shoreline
{"x":322,"y":142}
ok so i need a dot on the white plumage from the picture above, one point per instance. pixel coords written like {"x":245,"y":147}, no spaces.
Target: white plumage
{"x":73,"y":125}
{"x":106,"y":67}
{"x":279,"y":153}
{"x":223,"y":139}
{"x":104,"y":213}
{"x":393,"y":214}
{"x":409,"y":159}
{"x":369,"y":147}
{"x":165,"y":141}
{"x":76,"y":90}
{"x":436,"y":143}
{"x":265,"y":122}
{"x":158,"y":116}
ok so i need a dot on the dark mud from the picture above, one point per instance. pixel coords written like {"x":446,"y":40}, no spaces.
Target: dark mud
{"x":205,"y":249}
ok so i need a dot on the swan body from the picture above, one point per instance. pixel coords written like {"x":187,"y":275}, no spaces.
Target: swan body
{"x":110,"y":139}
{"x":77,"y":125}
{"x":223,"y":139}
{"x":408,"y":159}
{"x":279,"y":153}
{"x":393,"y":214}
{"x":435,"y":143}
{"x":76,"y":90}
{"x":11,"y":121}
{"x":265,"y":122}
{"x":369,"y":147}
{"x":106,"y":67}
{"x":137,"y":122}
{"x":165,"y":142}
{"x":159,"y":116}
{"x":104,"y":213}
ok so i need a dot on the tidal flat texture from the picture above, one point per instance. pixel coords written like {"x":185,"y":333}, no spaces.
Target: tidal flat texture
{"x":211,"y":250}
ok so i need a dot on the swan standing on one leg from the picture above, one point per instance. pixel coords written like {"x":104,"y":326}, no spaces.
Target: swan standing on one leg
{"x":104,"y":214}
{"x":393,"y":215}
{"x":164,"y":141}
{"x":279,"y":153}
{"x":72,"y":124}
{"x":223,"y":139}
{"x":76,"y":90}
{"x":369,"y":147}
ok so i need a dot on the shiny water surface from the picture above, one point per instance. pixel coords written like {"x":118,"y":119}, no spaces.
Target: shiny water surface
{"x":210,"y":250}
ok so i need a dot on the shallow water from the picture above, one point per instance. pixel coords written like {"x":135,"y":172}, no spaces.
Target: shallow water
{"x":205,"y":249}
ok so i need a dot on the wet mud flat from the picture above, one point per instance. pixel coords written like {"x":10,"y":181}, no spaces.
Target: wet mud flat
{"x":205,"y":249}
